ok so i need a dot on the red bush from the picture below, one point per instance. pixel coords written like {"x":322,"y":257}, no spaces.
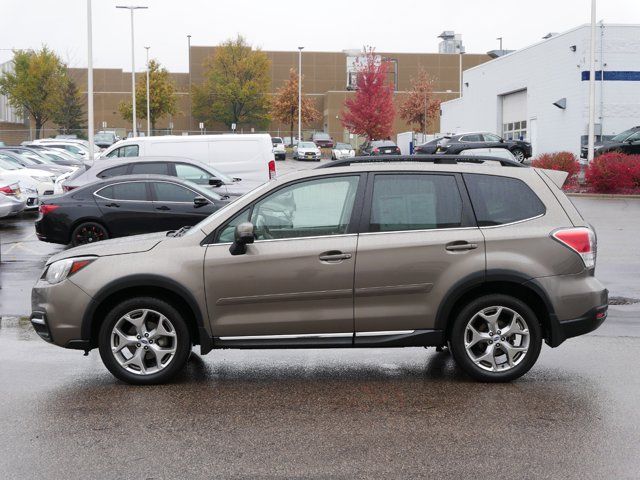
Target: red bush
{"x":564,"y":161}
{"x":614,"y":173}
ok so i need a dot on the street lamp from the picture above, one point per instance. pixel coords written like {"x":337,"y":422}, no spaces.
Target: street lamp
{"x":592,"y":87}
{"x":90,"y":81}
{"x":131,"y":8}
{"x":299,"y":94}
{"x":148,"y":106}
{"x":190,"y":101}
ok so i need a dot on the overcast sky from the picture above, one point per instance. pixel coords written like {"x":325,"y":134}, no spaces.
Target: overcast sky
{"x":321,"y":25}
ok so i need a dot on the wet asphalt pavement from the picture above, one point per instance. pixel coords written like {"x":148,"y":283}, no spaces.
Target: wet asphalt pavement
{"x":366,"y":413}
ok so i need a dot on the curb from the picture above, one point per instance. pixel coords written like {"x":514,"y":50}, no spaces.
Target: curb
{"x":602,"y":195}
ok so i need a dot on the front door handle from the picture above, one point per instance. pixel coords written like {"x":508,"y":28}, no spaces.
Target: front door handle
{"x":163,"y":207}
{"x":334,"y":256}
{"x":460,"y":246}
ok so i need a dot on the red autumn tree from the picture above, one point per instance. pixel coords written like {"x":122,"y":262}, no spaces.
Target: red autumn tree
{"x":420,"y":107}
{"x":371,"y":111}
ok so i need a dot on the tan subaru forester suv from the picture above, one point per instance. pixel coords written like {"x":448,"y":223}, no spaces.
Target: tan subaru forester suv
{"x":484,"y":256}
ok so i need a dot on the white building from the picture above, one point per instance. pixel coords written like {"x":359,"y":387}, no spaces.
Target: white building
{"x":541,"y":93}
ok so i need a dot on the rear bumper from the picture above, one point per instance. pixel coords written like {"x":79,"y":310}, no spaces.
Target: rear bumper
{"x":591,"y":320}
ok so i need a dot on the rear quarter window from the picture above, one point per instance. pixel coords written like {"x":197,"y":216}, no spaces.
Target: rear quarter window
{"x":500,"y":200}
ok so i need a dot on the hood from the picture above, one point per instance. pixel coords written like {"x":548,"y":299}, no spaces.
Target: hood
{"x":116,"y":246}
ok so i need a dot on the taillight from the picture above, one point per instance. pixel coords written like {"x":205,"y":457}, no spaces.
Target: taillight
{"x":67,"y":188}
{"x":9,"y":190}
{"x":272,"y":169}
{"x":581,"y":240}
{"x":376,"y":150}
{"x":44,"y":209}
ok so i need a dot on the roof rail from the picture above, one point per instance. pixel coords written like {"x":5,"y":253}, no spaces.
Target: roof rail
{"x":436,"y":159}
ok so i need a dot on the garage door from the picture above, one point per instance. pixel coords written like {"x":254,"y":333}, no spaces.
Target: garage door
{"x":514,"y":115}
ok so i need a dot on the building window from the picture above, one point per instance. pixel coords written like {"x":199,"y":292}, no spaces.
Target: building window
{"x":515,"y":130}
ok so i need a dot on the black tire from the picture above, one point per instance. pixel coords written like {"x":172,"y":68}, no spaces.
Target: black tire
{"x":182,"y":341}
{"x":457,"y":338}
{"x":88,"y":232}
{"x":519,"y":154}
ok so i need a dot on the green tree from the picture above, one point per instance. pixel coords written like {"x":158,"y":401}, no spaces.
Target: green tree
{"x":34,"y":85}
{"x":236,"y":85}
{"x":162,"y":96}
{"x":68,"y":113}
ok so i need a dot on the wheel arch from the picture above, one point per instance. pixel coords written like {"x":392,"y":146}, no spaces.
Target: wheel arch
{"x":145,"y":285}
{"x":510,"y":283}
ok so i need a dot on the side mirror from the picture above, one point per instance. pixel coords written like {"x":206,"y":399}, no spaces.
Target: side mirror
{"x":243,"y":236}
{"x":200,"y":202}
{"x":215,"y":182}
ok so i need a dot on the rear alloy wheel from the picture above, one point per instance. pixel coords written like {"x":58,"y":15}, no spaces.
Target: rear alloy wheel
{"x":496,"y":338}
{"x":89,"y":232}
{"x":519,"y":154}
{"x":144,"y":341}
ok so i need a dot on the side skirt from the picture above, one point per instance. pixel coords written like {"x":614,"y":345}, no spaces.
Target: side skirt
{"x":413,"y":338}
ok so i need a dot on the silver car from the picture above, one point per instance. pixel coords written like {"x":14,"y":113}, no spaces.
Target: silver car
{"x":183,"y":168}
{"x":370,"y":252}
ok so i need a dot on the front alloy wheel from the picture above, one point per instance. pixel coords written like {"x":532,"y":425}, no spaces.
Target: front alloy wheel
{"x":144,"y":341}
{"x":519,"y":154}
{"x":496,"y":338}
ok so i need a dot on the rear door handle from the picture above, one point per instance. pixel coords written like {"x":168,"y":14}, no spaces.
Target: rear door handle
{"x":334,"y":256}
{"x":460,"y":246}
{"x":163,"y":207}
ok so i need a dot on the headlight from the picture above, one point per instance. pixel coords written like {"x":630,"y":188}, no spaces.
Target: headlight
{"x":58,"y":271}
{"x":42,"y":179}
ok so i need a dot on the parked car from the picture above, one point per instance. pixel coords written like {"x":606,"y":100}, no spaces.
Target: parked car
{"x":490,"y":152}
{"x":379,"y":147}
{"x":454,"y":144}
{"x":342,"y":150}
{"x":248,"y":156}
{"x":105,"y":139}
{"x":626,"y":142}
{"x":34,"y":159}
{"x":491,"y":261}
{"x":428,"y":148}
{"x":123,"y":206}
{"x":58,"y":156}
{"x":12,"y":200}
{"x":307,"y":151}
{"x":290,"y":143}
{"x":322,"y":140}
{"x":74,"y":147}
{"x":36,"y":183}
{"x":183,"y":168}
{"x":279,"y":149}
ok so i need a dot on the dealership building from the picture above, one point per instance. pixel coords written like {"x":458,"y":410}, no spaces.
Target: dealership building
{"x":541,"y":93}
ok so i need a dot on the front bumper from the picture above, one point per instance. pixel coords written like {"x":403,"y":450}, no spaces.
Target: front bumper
{"x":57,"y":312}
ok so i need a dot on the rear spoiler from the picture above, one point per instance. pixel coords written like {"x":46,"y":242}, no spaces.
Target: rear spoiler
{"x":558,"y":177}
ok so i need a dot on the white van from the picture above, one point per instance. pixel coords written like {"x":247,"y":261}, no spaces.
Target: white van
{"x":247,"y":156}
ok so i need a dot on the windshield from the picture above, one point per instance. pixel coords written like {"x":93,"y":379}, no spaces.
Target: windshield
{"x":202,"y":191}
{"x":621,"y":137}
{"x":343,"y":146}
{"x":103,"y":137}
{"x":383,"y":143}
{"x":306,"y":145}
{"x":7,"y":165}
{"x":276,"y":140}
{"x":39,"y":159}
{"x":321,"y":136}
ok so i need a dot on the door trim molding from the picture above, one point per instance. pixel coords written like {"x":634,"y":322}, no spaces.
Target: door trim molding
{"x":285,"y":297}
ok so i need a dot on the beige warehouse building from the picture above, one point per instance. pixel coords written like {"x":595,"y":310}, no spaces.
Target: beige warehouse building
{"x":328,"y":80}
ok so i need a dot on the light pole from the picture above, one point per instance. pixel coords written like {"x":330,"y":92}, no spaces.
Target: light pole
{"x":500,"y":40}
{"x":148,"y":105}
{"x":89,"y":81}
{"x":131,"y":8}
{"x":299,"y":94}
{"x":189,"y":60}
{"x":592,"y":86}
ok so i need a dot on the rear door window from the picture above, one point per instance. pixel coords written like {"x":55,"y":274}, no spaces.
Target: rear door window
{"x":471,"y":138}
{"x":131,"y":191}
{"x":499,"y":200}
{"x":152,"y":168}
{"x":114,"y":172}
{"x":415,"y":202}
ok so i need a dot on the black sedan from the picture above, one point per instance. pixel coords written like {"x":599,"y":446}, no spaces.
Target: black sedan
{"x":379,"y":147}
{"x":428,"y":148}
{"x":122,"y":206}
{"x":454,"y":144}
{"x":627,"y":142}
